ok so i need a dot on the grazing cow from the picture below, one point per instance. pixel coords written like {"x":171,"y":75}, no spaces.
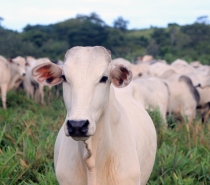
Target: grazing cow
{"x":10,"y":72}
{"x":200,"y":77}
{"x":155,"y":94}
{"x":195,"y":64}
{"x":113,"y":139}
{"x":145,"y":58}
{"x":158,"y":68}
{"x":184,"y":97}
{"x":204,"y":104}
{"x":32,"y":88}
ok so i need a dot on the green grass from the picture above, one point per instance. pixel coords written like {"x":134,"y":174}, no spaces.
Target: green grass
{"x":140,"y":33}
{"x":28,"y":132}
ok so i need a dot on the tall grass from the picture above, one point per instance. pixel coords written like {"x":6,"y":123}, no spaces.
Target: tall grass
{"x":28,"y":132}
{"x":27,"y":136}
{"x":183,"y":155}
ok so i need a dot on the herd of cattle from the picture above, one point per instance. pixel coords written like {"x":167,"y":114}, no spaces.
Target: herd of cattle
{"x":17,"y":71}
{"x":180,"y":88}
{"x":106,"y":102}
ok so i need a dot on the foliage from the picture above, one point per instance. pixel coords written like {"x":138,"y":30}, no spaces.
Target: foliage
{"x":183,"y":154}
{"x":121,"y":24}
{"x":189,"y":42}
{"x":27,"y":138}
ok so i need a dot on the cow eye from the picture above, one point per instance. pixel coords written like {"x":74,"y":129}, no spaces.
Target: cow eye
{"x":64,"y":78}
{"x":103,"y":79}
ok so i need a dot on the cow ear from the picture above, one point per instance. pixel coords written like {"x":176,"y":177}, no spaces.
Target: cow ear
{"x":120,"y":76}
{"x":47,"y":74}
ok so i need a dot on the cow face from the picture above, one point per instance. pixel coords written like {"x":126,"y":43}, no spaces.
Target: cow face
{"x":20,"y":63}
{"x":86,"y":76}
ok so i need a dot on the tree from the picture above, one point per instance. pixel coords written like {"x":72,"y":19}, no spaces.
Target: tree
{"x":121,"y":24}
{"x":202,"y":20}
{"x":93,"y":18}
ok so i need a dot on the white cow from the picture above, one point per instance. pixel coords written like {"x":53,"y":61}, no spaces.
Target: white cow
{"x":158,"y":68}
{"x":33,"y":89}
{"x":184,"y":97}
{"x":113,"y":139}
{"x":10,"y":72}
{"x":155,"y":94}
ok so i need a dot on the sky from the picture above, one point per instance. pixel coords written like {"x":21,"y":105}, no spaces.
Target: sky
{"x":140,"y":13}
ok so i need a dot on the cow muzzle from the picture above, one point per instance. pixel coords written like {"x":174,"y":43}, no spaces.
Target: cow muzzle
{"x":77,"y":128}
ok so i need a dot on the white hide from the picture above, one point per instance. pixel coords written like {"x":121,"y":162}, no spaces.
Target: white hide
{"x":33,"y":89}
{"x":121,"y":143}
{"x":158,"y":68}
{"x":10,"y":72}
{"x":200,"y":76}
{"x":155,"y":94}
{"x":181,"y":101}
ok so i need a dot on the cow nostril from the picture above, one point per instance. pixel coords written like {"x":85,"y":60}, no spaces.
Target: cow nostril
{"x":85,"y":126}
{"x":23,"y":74}
{"x":70,"y":128}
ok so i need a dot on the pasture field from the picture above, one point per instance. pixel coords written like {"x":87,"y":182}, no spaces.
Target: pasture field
{"x":28,"y":132}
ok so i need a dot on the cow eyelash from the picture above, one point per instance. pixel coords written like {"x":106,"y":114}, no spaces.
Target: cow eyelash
{"x":103,"y":79}
{"x":64,"y":78}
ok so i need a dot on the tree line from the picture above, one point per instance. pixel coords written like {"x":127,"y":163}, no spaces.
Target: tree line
{"x":189,"y":42}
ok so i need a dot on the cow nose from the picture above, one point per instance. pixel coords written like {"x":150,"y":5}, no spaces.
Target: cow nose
{"x":23,"y":74}
{"x":77,"y":128}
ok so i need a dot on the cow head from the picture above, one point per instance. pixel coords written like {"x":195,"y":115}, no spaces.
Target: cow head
{"x":20,"y":63}
{"x":86,"y":75}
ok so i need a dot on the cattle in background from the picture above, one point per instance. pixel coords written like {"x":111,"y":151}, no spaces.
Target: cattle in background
{"x":179,"y":62}
{"x":184,"y":97}
{"x":155,"y":93}
{"x":113,"y":139}
{"x":10,"y":72}
{"x":145,"y":58}
{"x":195,"y":64}
{"x":158,"y":68}
{"x":204,"y":104}
{"x":201,"y":80}
{"x":200,"y":77}
{"x":33,"y":89}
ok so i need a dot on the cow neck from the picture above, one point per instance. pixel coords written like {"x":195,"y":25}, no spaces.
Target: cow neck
{"x":13,"y":76}
{"x":97,"y":149}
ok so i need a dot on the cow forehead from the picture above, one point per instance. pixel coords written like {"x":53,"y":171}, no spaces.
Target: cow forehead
{"x":19,"y":60}
{"x":87,"y":60}
{"x":87,"y":52}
